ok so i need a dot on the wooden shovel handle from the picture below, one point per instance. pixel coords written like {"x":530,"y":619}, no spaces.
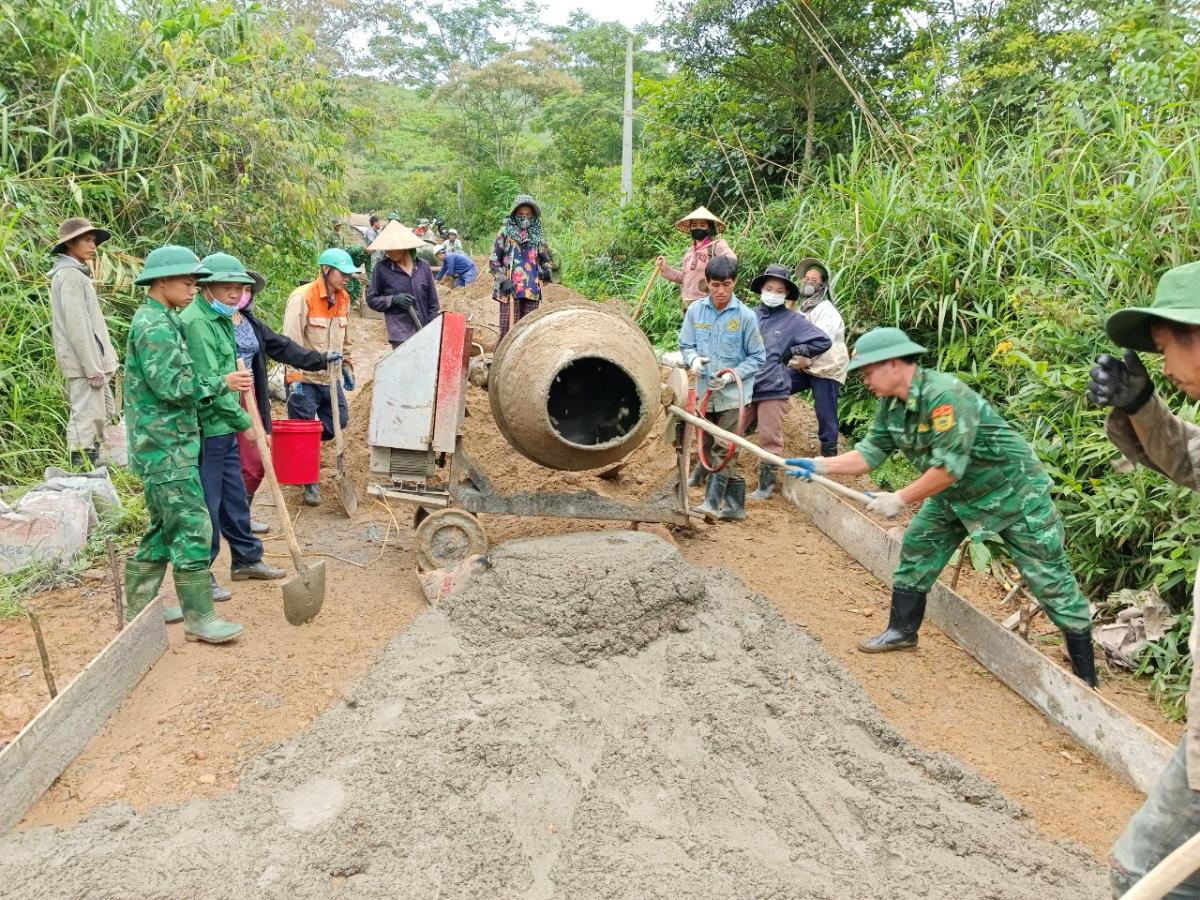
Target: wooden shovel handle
{"x":260,"y":440}
{"x":637,"y":310}
{"x":335,"y":375}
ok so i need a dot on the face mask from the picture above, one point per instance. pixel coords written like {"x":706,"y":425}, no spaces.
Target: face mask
{"x":809,"y":290}
{"x":773,"y":298}
{"x":246,"y":298}
{"x":524,"y":221}
{"x":221,"y":308}
{"x":699,"y":234}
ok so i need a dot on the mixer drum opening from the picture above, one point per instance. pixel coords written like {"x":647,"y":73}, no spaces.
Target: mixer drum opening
{"x":593,"y":401}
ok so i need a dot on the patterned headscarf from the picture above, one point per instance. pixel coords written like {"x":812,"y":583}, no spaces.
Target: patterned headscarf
{"x":524,"y":236}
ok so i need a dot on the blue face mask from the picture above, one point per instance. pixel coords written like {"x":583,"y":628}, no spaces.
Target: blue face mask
{"x":222,"y":309}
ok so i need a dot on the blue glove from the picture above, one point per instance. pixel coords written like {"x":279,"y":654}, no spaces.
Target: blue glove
{"x":804,"y":467}
{"x":347,"y":378}
{"x":333,"y":357}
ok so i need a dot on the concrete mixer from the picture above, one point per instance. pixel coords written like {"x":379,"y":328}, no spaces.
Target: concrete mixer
{"x":571,"y":387}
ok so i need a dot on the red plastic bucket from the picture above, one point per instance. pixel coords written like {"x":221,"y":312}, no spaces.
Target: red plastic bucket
{"x":296,"y":450}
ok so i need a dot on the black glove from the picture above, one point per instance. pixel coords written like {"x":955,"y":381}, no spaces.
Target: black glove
{"x":1123,"y":383}
{"x":402,"y":302}
{"x":507,"y":288}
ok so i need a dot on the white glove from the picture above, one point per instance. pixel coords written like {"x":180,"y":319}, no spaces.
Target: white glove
{"x":698,"y":365}
{"x":672,"y":358}
{"x":719,"y":381}
{"x":887,"y":504}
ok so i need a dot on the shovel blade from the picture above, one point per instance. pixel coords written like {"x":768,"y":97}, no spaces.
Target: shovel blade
{"x":346,"y":495}
{"x":304,"y":593}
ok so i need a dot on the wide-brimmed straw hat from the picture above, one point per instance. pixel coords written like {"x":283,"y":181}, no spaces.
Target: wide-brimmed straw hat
{"x":700,"y":212}
{"x":73,"y":228}
{"x":780,"y":271}
{"x":1176,"y":300}
{"x":396,"y":236}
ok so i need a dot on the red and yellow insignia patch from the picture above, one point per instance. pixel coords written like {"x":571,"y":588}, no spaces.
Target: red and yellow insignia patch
{"x":943,"y":418}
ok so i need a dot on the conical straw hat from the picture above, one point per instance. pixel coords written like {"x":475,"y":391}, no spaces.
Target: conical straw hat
{"x":396,"y":236}
{"x":700,"y":212}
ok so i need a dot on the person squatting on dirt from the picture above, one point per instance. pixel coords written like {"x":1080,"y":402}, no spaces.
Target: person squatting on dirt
{"x":255,"y":343}
{"x":457,"y":269}
{"x":786,"y":335}
{"x":402,"y":285}
{"x":315,"y":318}
{"x":163,"y":398}
{"x":720,"y":332}
{"x":208,"y":328}
{"x":520,"y":263}
{"x":703,"y":228}
{"x":81,"y":343}
{"x":1147,"y":432}
{"x":825,"y":374}
{"x":978,"y":477}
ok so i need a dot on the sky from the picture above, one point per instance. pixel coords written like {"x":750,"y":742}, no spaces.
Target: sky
{"x":627,"y":12}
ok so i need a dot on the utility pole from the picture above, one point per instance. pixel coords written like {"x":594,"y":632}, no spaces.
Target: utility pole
{"x":627,"y":135}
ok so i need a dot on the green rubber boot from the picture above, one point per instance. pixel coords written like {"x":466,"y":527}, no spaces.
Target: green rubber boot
{"x":142,"y":581}
{"x":200,"y":623}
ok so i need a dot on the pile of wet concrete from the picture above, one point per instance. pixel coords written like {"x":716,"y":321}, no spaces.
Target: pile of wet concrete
{"x":586,"y":716}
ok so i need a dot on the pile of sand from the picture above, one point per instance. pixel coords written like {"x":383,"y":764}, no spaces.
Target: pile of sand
{"x":588,"y":716}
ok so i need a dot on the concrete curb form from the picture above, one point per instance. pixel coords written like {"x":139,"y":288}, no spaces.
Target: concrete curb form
{"x":1127,"y":746}
{"x":48,"y":744}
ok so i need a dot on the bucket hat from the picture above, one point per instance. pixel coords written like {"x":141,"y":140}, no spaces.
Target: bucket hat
{"x":223,"y":267}
{"x":810,"y":262}
{"x":780,"y":271}
{"x":882,"y":344}
{"x":260,"y":282}
{"x":700,"y":212}
{"x":1177,"y":299}
{"x":338,"y":259}
{"x":73,"y":228}
{"x":523,"y":199}
{"x":396,"y":236}
{"x":170,"y":261}
{"x":452,"y":231}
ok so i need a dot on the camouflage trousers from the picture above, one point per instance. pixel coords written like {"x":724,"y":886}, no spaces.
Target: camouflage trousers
{"x":1035,"y":539}
{"x":180,"y":529}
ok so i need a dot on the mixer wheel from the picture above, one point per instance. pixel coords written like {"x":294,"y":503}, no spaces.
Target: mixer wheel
{"x":448,"y":536}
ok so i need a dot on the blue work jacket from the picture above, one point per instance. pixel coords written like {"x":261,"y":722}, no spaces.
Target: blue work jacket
{"x":729,"y":339}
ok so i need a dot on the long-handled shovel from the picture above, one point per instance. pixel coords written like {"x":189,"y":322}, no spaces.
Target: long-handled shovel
{"x":637,"y":310}
{"x":345,"y":490}
{"x":304,"y":592}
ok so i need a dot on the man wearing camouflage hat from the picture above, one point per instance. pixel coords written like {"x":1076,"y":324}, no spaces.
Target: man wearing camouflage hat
{"x":1148,"y":433}
{"x":979,"y":477}
{"x":164,"y":397}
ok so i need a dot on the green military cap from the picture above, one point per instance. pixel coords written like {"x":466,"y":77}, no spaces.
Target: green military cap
{"x":1177,"y":299}
{"x":225,"y":268}
{"x":881,"y":344}
{"x":170,"y":261}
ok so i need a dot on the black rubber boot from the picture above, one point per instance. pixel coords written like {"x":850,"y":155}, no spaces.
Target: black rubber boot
{"x":766,"y":482}
{"x":714,"y":495}
{"x":734,"y":507}
{"x":312,"y":495}
{"x":829,"y":449}
{"x":93,"y":455}
{"x":699,"y":473}
{"x":904,"y":621}
{"x":1083,"y":656}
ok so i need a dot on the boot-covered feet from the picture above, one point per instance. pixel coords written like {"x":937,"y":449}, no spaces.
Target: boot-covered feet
{"x":258,"y":570}
{"x":312,"y":495}
{"x":699,"y":473}
{"x":219,"y":594}
{"x":714,"y":495}
{"x":904,"y":621}
{"x":1083,"y":656}
{"x":200,"y":622}
{"x":142,"y":581}
{"x":766,"y":482}
{"x":259,"y":527}
{"x":734,"y":507}
{"x":829,"y":449}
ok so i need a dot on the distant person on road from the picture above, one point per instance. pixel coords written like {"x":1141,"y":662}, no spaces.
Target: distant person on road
{"x":82,"y":346}
{"x":979,"y":477}
{"x":316,"y":318}
{"x":457,"y":269}
{"x":704,"y":229}
{"x":824,"y":375}
{"x":1148,"y":433}
{"x":786,"y":335}
{"x":453,"y":244}
{"x":164,"y":395}
{"x":519,"y":263}
{"x":372,"y":230}
{"x":402,"y":285}
{"x":212,"y":345}
{"x":720,"y":332}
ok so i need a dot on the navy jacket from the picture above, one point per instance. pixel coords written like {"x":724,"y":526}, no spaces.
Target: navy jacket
{"x":782,"y":329}
{"x":280,"y":349}
{"x":388,"y":279}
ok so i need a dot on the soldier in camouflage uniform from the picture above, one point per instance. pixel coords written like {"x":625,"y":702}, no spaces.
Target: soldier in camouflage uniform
{"x":979,"y":478}
{"x":163,"y":397}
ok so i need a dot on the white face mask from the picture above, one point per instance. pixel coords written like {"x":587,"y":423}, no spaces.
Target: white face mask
{"x":773,"y":298}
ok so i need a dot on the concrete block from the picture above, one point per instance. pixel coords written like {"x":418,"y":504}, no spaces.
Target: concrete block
{"x":48,"y":744}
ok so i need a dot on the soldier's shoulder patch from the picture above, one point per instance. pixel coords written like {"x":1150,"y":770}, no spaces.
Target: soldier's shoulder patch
{"x":942,"y":417}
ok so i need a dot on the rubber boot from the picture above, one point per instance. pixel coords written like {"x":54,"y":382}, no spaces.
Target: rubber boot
{"x":312,"y":495}
{"x":904,"y":620}
{"x":200,"y":623}
{"x":699,"y":474}
{"x":714,"y":495}
{"x":255,"y":527}
{"x":93,"y":454}
{"x":76,"y":461}
{"x":142,"y":581}
{"x":830,"y":449}
{"x":219,"y":594}
{"x":1083,"y":656}
{"x":766,"y":482}
{"x":734,"y":507}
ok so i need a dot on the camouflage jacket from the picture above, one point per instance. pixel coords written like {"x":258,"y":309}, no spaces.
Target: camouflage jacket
{"x":163,"y":396}
{"x":944,"y":424}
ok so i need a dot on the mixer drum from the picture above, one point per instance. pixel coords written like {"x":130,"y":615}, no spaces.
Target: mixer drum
{"x":574,"y":386}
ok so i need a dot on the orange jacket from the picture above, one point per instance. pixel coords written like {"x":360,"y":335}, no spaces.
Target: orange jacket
{"x":310,"y":321}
